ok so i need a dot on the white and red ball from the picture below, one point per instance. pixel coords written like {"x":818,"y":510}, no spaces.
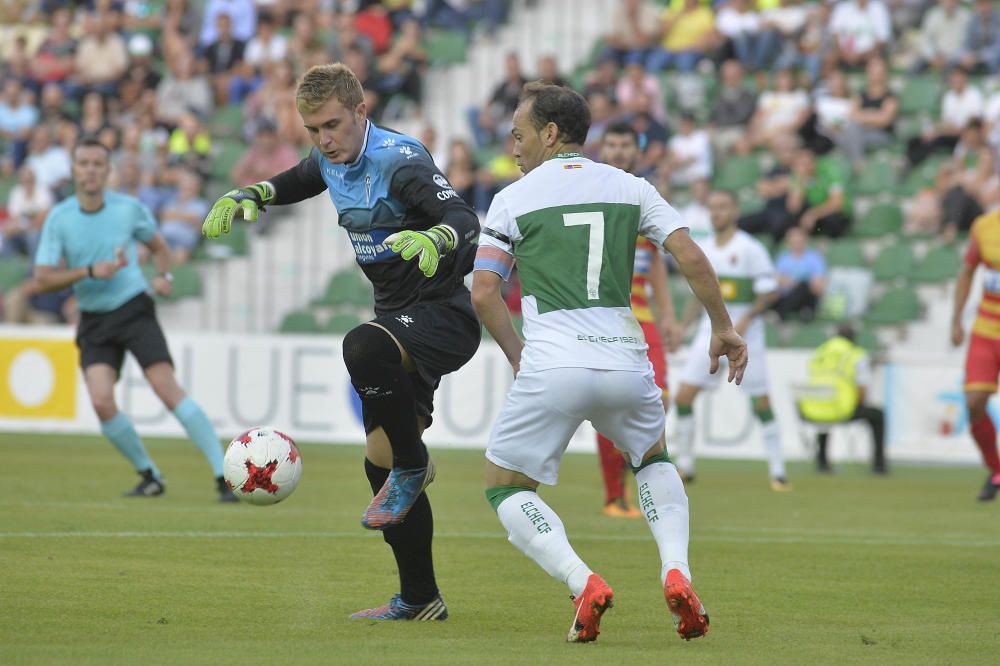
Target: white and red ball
{"x":262,"y":466}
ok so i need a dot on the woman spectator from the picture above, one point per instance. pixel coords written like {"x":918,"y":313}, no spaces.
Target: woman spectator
{"x":872,"y":118}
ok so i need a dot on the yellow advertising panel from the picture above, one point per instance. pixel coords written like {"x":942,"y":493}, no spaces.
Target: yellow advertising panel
{"x":38,"y":378}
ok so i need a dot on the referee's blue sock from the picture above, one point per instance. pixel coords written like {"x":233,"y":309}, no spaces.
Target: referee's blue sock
{"x":201,"y":431}
{"x":120,"y":431}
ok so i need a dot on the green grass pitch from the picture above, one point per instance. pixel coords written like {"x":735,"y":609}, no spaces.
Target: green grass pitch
{"x":846,"y":569}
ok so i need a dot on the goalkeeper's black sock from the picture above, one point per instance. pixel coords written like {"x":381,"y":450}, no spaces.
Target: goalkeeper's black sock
{"x":376,"y":368}
{"x":411,"y":544}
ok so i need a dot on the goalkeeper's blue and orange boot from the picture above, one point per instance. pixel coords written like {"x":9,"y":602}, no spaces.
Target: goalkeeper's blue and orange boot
{"x":596,"y":598}
{"x":689,"y":614}
{"x":390,"y":506}
{"x":397,"y":609}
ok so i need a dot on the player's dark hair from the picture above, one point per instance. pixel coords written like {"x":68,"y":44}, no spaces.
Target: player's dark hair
{"x":91,"y":142}
{"x":621,"y":129}
{"x":560,"y":105}
{"x":846,"y":330}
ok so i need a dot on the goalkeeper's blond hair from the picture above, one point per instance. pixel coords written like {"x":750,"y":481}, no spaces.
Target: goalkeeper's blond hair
{"x":323,"y":82}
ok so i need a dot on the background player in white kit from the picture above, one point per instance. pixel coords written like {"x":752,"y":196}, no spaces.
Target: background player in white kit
{"x":749,"y":286}
{"x":571,"y":224}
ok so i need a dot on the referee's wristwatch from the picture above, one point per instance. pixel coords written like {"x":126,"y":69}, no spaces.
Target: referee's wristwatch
{"x":168,"y":276}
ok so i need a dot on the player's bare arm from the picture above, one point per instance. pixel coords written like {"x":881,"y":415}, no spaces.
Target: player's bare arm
{"x":163,"y":281}
{"x":663,"y":305}
{"x":52,"y":278}
{"x":963,"y":285}
{"x":493,"y":312}
{"x":705,"y":285}
{"x":761,"y":304}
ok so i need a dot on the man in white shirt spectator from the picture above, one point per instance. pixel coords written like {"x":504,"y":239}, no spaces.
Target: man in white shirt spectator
{"x":689,"y":152}
{"x":861,"y":29}
{"x":48,"y":160}
{"x":740,"y":24}
{"x":101,"y":58}
{"x":942,"y":35}
{"x":960,"y":104}
{"x":182,"y":91}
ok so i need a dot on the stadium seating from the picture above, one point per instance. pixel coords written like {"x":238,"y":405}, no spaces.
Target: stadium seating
{"x":894,"y":261}
{"x":897,"y":306}
{"x":938,"y":265}
{"x":880,"y":220}
{"x":299,"y":321}
{"x":875,"y":178}
{"x":845,"y":252}
{"x":341,"y":323}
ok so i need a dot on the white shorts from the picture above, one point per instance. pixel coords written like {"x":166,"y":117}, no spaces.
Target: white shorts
{"x":755,"y":378}
{"x":543,"y":409}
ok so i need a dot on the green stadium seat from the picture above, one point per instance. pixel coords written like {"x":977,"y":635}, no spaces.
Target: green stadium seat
{"x":187,"y":282}
{"x":897,"y":306}
{"x":894,"y":261}
{"x":921,"y":94}
{"x":868,"y":339}
{"x":226,"y":156}
{"x":808,"y":336}
{"x":772,"y":334}
{"x":845,"y":252}
{"x":299,"y":321}
{"x":938,"y":265}
{"x":875,"y":178}
{"x":227,"y":121}
{"x":736,"y":173}
{"x":767,"y":240}
{"x":922,"y":176}
{"x":445,"y":47}
{"x":880,"y":220}
{"x":13,"y":271}
{"x":342,"y":322}
{"x":6,"y":185}
{"x":346,"y":287}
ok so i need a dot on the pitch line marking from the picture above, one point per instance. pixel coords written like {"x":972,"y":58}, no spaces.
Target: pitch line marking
{"x":711,"y":538}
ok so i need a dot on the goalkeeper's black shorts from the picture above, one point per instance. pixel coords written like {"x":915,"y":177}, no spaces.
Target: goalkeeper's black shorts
{"x":440,"y":337}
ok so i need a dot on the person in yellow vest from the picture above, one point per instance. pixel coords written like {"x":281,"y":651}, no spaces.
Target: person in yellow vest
{"x":843,"y":366}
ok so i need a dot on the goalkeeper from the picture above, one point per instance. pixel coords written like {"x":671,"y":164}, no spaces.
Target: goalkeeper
{"x":415,"y":240}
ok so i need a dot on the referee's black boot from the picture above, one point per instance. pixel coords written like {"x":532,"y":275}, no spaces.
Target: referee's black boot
{"x":225,"y":493}
{"x":149,"y":486}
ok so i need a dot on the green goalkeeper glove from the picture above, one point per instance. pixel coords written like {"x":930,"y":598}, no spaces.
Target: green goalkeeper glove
{"x":251,"y":199}
{"x":429,"y":246}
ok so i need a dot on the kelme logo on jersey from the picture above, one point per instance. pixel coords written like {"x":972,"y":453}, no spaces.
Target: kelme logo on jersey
{"x":369,"y":246}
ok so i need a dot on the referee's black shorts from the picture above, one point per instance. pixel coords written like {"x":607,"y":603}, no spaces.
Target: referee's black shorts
{"x":440,"y":337}
{"x":104,"y":337}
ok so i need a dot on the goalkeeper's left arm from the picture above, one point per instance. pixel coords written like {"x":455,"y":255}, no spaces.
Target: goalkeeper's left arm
{"x":422,"y":189}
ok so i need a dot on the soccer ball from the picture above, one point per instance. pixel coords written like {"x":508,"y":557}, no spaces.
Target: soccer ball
{"x":262,"y":466}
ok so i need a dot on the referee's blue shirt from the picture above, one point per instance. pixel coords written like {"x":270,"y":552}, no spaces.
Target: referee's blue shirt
{"x":84,"y":238}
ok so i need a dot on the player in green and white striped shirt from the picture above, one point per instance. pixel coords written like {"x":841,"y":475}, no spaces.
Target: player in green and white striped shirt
{"x":570,"y":225}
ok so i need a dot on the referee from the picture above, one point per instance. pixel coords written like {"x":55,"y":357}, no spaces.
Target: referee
{"x":89,"y":242}
{"x":396,"y":207}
